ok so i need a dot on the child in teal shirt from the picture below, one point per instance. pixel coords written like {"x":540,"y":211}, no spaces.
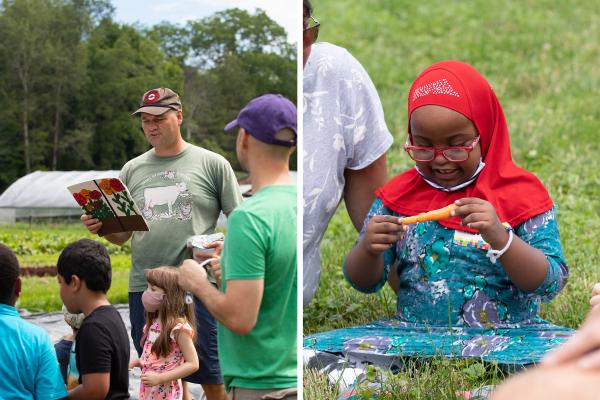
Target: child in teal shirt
{"x":28,"y":367}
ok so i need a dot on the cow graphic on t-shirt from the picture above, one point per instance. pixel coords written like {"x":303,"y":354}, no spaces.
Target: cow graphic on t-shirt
{"x":162,"y":202}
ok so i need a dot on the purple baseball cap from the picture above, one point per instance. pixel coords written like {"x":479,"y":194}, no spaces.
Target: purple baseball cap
{"x":266,"y":115}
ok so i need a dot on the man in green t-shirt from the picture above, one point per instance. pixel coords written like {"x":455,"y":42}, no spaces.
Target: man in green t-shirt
{"x":256,"y":306}
{"x":181,"y":190}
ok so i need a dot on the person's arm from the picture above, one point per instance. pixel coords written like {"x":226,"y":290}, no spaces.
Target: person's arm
{"x":595,"y":300}
{"x":359,"y":193}
{"x":188,"y":367}
{"x":366,"y":168}
{"x":560,"y":382}
{"x":583,"y":348}
{"x":359,"y":190}
{"x":518,"y":256}
{"x":237,"y":308}
{"x":93,"y":225}
{"x":525,"y":265}
{"x":364,"y":265}
{"x":93,"y":387}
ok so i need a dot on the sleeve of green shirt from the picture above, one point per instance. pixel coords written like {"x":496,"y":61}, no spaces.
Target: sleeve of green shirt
{"x":228,"y":188}
{"x":247,"y":243}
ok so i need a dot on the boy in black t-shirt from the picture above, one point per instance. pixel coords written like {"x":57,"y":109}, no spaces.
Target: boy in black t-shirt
{"x":102,"y":347}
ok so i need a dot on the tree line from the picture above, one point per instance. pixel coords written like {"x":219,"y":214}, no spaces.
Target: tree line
{"x":70,"y":77}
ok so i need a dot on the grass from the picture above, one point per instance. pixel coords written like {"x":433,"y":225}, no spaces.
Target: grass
{"x":41,"y":293}
{"x":437,"y":379}
{"x":38,"y":241}
{"x":540,"y":58}
{"x":40,"y":245}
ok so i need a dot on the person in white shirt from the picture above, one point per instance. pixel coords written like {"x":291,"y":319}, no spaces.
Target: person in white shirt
{"x":345,"y":141}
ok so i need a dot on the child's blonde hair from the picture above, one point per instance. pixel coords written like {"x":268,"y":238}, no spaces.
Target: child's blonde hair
{"x":172,"y":311}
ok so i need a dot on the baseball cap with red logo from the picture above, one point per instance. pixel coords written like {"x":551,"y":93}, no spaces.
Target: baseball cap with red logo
{"x":158,"y":101}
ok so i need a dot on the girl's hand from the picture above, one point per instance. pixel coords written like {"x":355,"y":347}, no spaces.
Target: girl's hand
{"x":382,"y":232}
{"x":595,"y":300}
{"x":480,"y":215}
{"x":135,"y":363}
{"x":151,"y":379}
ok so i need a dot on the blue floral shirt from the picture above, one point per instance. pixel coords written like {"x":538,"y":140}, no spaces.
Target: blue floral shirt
{"x":446,"y":278}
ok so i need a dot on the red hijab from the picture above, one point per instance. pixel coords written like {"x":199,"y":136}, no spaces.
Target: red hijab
{"x":515,"y":193}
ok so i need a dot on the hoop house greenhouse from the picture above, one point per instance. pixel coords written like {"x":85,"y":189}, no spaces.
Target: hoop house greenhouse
{"x":44,"y":194}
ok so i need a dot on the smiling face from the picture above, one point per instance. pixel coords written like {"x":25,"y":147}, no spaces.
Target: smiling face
{"x":437,"y":126}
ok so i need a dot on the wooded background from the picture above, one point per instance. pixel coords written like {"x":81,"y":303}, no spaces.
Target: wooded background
{"x":70,"y":76}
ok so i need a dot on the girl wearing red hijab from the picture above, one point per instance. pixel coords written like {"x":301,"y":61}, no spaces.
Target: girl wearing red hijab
{"x":471,"y":285}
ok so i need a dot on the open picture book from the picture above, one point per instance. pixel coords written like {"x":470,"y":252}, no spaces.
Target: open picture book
{"x":108,"y":200}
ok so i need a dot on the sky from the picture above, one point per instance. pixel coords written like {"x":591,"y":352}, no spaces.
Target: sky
{"x":150,"y":12}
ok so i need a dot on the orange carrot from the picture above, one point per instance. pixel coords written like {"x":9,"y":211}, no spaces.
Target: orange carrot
{"x":434,"y":215}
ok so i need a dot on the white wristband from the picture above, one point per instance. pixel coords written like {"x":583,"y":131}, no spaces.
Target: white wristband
{"x":496,"y":254}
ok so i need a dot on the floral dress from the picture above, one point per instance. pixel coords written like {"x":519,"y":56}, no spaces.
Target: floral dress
{"x":454,"y":302}
{"x":150,"y":363}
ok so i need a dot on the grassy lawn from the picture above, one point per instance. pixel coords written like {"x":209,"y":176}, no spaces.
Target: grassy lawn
{"x":41,"y":244}
{"x":541,"y":60}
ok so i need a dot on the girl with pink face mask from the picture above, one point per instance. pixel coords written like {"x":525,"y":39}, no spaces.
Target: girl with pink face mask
{"x":168,"y":341}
